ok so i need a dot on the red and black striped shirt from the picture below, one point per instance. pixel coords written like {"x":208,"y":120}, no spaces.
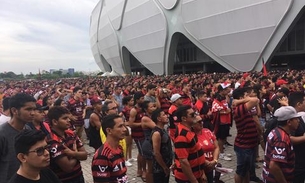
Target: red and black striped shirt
{"x":57,"y":151}
{"x":247,"y":136}
{"x":108,"y":165}
{"x":165,"y":104}
{"x":187,"y":147}
{"x":280,"y":150}
{"x":76,"y":108}
{"x":173,"y":121}
{"x":126,"y":112}
{"x":137,"y":132}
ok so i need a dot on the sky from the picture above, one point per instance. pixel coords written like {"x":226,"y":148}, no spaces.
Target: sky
{"x":45,"y":34}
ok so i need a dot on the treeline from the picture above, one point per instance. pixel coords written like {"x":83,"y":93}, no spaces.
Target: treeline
{"x":55,"y":75}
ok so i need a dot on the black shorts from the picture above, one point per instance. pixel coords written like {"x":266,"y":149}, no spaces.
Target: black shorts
{"x":223,"y":131}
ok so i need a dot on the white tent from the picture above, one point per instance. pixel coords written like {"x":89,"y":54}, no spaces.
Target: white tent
{"x":106,"y":74}
{"x":113,"y":73}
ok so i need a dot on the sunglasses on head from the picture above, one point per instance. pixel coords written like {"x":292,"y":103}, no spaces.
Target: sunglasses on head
{"x":40,"y":150}
{"x":113,"y":108}
{"x":200,"y":122}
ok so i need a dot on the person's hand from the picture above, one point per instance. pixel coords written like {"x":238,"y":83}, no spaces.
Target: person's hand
{"x":173,"y":166}
{"x":157,"y":93}
{"x":166,"y":171}
{"x":203,"y":179}
{"x":283,"y":101}
{"x":210,"y":165}
{"x":70,"y":152}
{"x":74,"y":118}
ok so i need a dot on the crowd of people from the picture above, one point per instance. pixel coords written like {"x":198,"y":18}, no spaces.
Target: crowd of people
{"x":179,"y":123}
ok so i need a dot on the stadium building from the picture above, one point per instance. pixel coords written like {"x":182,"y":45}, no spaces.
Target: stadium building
{"x":187,"y":36}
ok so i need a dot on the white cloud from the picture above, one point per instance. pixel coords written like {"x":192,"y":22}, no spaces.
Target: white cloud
{"x":42,"y":34}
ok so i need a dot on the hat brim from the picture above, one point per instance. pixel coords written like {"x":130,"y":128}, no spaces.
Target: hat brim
{"x":297,"y":115}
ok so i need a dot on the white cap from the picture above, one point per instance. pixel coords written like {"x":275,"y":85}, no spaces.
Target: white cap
{"x":175,"y":97}
{"x":37,"y":94}
{"x":225,"y":85}
{"x":285,"y":113}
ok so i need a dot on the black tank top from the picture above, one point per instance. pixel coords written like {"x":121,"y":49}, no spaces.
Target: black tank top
{"x":94,"y":135}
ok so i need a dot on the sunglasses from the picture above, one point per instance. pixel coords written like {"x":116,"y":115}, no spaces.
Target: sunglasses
{"x":193,"y":114}
{"x":40,"y":150}
{"x":114,"y":108}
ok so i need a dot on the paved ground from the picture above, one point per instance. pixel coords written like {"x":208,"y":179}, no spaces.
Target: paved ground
{"x":228,"y":178}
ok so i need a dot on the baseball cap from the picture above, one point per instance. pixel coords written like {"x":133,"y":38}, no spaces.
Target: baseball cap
{"x":41,"y":108}
{"x":285,"y":113}
{"x":175,"y":97}
{"x":284,"y":90}
{"x":281,"y":82}
{"x":224,"y":85}
{"x":95,"y":100}
{"x":245,"y":75}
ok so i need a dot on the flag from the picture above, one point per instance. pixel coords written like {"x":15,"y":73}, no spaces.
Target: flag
{"x":264,"y":68}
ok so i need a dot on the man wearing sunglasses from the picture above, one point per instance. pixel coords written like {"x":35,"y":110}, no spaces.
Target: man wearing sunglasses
{"x":189,"y":155}
{"x":32,"y":152}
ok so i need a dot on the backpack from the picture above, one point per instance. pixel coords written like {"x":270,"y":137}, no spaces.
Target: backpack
{"x":269,"y":126}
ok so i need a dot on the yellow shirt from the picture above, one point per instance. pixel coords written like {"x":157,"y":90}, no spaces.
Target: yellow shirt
{"x":122,"y":142}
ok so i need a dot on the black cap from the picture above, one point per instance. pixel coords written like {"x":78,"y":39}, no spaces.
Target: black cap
{"x":151,"y":86}
{"x":41,"y":108}
{"x":284,"y":90}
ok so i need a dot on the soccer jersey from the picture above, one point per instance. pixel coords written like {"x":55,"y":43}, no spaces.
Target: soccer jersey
{"x":137,"y":132}
{"x":76,"y":108}
{"x":108,"y":165}
{"x":206,"y":140}
{"x":126,"y":112}
{"x":220,"y":103}
{"x":280,"y":150}
{"x":173,"y":121}
{"x":56,"y":143}
{"x":165,"y":104}
{"x":187,"y":147}
{"x":247,"y":136}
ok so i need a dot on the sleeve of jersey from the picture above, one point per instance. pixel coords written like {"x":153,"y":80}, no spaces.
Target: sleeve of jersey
{"x":181,"y":150}
{"x":211,"y":135}
{"x":100,"y":169}
{"x":56,"y":150}
{"x":279,"y":152}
